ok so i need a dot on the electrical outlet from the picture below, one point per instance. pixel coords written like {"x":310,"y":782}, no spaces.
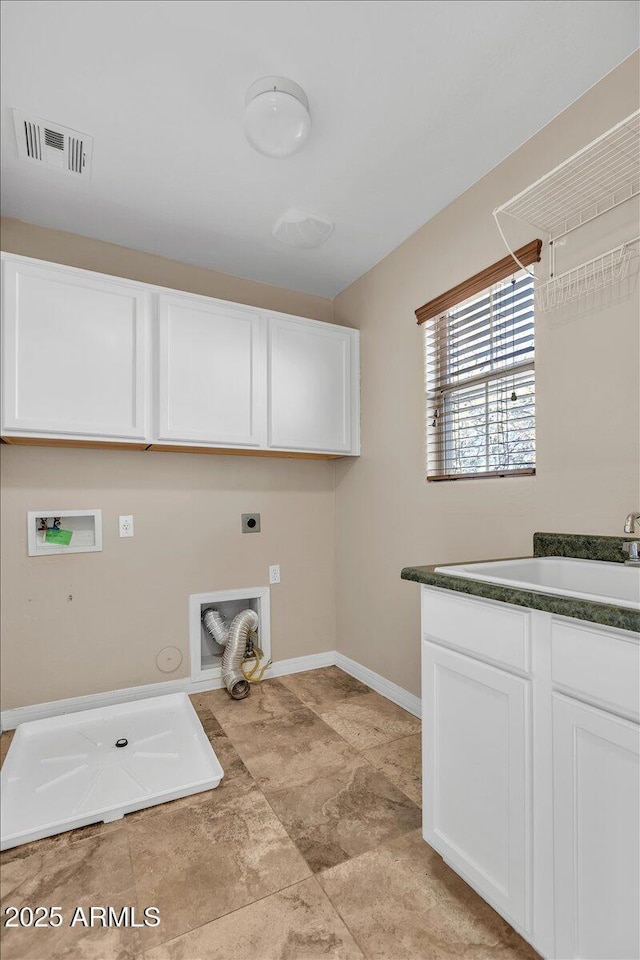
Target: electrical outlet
{"x":274,"y":573}
{"x":125,"y":526}
{"x":250,"y":522}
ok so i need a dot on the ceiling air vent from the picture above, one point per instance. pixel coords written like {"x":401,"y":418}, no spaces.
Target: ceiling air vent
{"x":300,"y":228}
{"x":53,"y":146}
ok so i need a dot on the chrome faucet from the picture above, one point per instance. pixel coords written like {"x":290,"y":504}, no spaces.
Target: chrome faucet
{"x":631,"y":546}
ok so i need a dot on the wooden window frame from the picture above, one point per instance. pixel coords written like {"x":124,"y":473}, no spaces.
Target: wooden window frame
{"x":434,"y":309}
{"x":498,"y":271}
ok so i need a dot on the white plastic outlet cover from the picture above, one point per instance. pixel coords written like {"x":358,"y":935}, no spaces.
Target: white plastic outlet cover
{"x":66,"y":772}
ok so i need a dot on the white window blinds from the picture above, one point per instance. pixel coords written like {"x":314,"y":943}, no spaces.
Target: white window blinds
{"x":480,"y":382}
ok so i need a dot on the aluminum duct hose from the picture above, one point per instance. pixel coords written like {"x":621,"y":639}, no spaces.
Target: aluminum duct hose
{"x":235,"y":652}
{"x":215,"y":626}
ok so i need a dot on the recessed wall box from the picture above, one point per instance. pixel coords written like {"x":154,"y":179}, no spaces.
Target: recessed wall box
{"x":250,"y":522}
{"x":206,"y":655}
{"x":85,"y":527}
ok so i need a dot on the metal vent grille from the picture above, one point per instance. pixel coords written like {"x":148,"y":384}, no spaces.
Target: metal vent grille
{"x":53,"y":138}
{"x":52,"y":145}
{"x":75,"y":154}
{"x":32,"y":139}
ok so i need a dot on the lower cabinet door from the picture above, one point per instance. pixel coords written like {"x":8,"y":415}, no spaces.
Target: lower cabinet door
{"x":596,"y":824}
{"x":477,"y":779}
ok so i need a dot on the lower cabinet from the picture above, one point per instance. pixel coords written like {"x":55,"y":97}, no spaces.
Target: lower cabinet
{"x":531,"y":769}
{"x":596,"y":832}
{"x":477,"y":791}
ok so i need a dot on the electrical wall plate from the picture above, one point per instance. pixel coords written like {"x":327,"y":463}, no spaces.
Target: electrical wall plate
{"x":125,"y":526}
{"x":250,"y":522}
{"x":85,"y":525}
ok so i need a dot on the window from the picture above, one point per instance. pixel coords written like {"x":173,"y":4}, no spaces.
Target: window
{"x":480,"y":380}
{"x":480,"y":377}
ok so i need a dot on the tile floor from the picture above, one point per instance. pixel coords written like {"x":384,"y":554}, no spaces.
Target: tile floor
{"x":310,"y":848}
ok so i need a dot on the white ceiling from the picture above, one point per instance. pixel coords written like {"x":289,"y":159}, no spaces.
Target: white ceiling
{"x":411,"y":103}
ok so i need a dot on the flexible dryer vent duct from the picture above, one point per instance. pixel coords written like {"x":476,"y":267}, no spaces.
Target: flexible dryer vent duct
{"x":215,"y":626}
{"x":234,"y":640}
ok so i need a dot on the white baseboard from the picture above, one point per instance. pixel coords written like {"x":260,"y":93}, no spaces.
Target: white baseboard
{"x":297,"y":664}
{"x":9,"y":719}
{"x":408,"y":701}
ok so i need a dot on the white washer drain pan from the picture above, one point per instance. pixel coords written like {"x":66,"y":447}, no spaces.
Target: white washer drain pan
{"x":66,"y":772}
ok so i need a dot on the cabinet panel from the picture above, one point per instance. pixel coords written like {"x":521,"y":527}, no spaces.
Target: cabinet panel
{"x":477,"y":785}
{"x":603,"y":666}
{"x":493,"y":631}
{"x":75,"y":353}
{"x":310,"y":385}
{"x":211,"y":377}
{"x":597,"y":846}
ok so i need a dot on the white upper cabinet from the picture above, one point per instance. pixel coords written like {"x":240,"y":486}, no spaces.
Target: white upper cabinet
{"x":313,"y":386}
{"x":74,"y":354}
{"x":88,"y":357}
{"x":211,"y":373}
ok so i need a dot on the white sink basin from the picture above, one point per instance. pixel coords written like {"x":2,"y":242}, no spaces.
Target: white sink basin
{"x":585,"y":579}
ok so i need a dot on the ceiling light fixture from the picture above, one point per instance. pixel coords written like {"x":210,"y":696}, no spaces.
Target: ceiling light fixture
{"x":301,"y":228}
{"x":276,"y":119}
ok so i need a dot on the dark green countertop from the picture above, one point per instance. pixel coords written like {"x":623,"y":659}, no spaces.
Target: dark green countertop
{"x":545,"y":545}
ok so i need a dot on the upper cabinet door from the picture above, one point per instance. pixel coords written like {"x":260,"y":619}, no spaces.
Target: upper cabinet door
{"x":211,"y":373}
{"x":313,"y":386}
{"x":75,"y":354}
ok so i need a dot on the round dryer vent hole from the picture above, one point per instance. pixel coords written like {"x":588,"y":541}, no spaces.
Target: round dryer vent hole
{"x":169,"y":659}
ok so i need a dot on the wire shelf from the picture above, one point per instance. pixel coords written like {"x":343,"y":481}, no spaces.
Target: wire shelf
{"x":593,"y":181}
{"x":597,"y":274}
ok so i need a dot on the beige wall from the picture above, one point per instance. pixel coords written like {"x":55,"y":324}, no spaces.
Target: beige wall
{"x":30,"y":240}
{"x":131,"y":600}
{"x":341,"y":532}
{"x":387,"y":516}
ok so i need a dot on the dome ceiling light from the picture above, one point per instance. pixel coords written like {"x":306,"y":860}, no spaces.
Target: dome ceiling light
{"x":276,"y":118}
